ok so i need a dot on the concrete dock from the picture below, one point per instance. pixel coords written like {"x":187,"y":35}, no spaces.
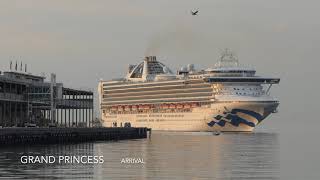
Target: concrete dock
{"x":21,"y":136}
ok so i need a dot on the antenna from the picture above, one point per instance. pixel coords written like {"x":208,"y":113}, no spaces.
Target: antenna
{"x":25,"y":68}
{"x":13,"y":59}
{"x":21,"y":66}
{"x":227,"y":59}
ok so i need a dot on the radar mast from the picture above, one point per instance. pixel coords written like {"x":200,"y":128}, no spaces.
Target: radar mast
{"x":227,"y":59}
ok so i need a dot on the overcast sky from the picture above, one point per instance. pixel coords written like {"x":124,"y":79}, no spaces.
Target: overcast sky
{"x":84,"y":41}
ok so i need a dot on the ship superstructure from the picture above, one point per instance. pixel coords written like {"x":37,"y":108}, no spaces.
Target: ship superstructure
{"x":227,"y":97}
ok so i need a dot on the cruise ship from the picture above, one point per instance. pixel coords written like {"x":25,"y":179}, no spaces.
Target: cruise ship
{"x":226,"y":97}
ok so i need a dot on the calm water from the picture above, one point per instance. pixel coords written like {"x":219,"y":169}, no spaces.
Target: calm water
{"x":166,"y":156}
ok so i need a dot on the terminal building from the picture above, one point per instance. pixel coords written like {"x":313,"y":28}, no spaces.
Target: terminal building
{"x":31,"y":100}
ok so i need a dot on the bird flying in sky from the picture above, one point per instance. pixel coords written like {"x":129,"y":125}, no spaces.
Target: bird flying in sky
{"x":194,"y":13}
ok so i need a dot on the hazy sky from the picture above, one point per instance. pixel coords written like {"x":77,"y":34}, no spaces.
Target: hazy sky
{"x":83,"y":41}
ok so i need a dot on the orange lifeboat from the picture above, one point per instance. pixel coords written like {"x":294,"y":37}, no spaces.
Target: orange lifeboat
{"x":140,"y":107}
{"x":165,"y":106}
{"x":113,"y":108}
{"x":146,"y":107}
{"x":194,"y":105}
{"x":172,"y":106}
{"x":134,"y":108}
{"x":127,"y":108}
{"x":187,"y":106}
{"x":120,"y":108}
{"x":179,"y":106}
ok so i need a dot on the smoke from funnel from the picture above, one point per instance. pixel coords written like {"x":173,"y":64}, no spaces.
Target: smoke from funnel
{"x":177,"y":37}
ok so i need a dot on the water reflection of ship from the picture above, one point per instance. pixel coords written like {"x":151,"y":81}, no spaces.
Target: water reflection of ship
{"x":201,"y":155}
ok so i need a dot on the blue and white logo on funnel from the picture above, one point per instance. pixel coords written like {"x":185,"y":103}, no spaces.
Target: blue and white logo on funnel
{"x":234,"y":119}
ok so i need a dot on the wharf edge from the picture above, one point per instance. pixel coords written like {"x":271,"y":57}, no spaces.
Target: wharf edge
{"x":24,"y":136}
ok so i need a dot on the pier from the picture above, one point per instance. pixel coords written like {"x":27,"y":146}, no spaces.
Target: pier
{"x":23,"y":136}
{"x":30,"y":100}
{"x":34,"y":110}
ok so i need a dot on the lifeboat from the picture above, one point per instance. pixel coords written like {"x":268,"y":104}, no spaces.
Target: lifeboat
{"x":127,"y":108}
{"x":120,"y":108}
{"x":172,"y":106}
{"x":187,"y":106}
{"x":113,"y":108}
{"x":194,"y":105}
{"x":140,"y":107}
{"x":165,"y":106}
{"x":146,"y":107}
{"x":134,"y":108}
{"x":179,"y":106}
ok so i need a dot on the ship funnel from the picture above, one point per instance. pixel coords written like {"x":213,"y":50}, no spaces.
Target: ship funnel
{"x":150,"y":58}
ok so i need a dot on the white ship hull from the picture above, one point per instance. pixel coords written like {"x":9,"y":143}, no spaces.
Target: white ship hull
{"x":224,"y":98}
{"x":219,"y":116}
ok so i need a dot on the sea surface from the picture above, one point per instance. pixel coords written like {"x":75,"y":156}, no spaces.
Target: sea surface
{"x":164,"y":155}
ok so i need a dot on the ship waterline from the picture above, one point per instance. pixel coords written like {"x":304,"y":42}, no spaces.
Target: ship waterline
{"x":224,"y":98}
